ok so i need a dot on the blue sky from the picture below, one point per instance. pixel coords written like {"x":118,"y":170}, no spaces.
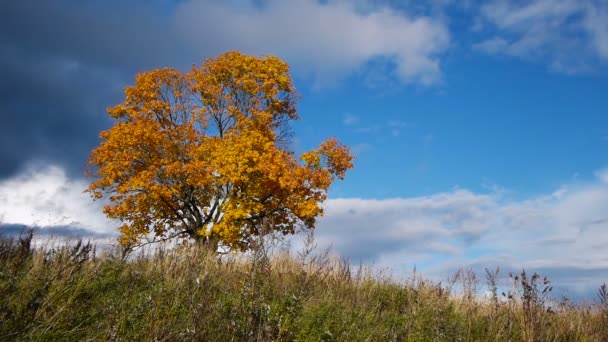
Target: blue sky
{"x":492,"y":122}
{"x":480,"y":128}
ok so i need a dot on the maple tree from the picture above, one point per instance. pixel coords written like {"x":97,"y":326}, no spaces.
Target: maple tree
{"x":204,"y":155}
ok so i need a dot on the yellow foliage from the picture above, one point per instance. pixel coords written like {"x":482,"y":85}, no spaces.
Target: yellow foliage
{"x":201,"y":154}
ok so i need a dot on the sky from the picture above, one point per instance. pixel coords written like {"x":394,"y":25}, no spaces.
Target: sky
{"x":480,"y":128}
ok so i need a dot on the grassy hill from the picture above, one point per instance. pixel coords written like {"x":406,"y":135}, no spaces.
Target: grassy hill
{"x":188,"y":293}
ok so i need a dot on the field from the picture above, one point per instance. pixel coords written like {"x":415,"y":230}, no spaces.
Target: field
{"x":74,"y":292}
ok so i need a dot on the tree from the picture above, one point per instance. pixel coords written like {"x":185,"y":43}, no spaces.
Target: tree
{"x":205,"y":155}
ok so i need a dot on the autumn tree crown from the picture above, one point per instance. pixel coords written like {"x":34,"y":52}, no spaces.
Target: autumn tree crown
{"x":204,"y":155}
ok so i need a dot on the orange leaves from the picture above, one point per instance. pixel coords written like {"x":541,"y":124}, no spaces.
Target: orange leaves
{"x":200,"y":154}
{"x":338,"y":157}
{"x":235,"y":85}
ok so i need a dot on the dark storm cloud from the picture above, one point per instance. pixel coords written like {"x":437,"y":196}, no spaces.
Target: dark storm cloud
{"x":15,"y":230}
{"x":62,"y":63}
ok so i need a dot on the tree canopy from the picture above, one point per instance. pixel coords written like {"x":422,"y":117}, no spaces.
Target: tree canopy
{"x":205,"y":155}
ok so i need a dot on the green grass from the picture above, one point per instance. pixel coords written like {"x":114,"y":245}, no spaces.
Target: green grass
{"x":189,"y":293}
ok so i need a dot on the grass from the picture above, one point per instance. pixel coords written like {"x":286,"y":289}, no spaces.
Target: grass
{"x":73,"y":292}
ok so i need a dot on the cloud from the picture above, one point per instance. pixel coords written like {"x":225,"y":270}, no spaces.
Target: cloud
{"x":350,"y":119}
{"x":442,"y":232}
{"x":602,"y":175}
{"x":401,"y":223}
{"x":331,"y":39}
{"x":360,"y":148}
{"x":63,"y":62}
{"x":547,"y":31}
{"x":396,"y":126}
{"x":42,"y":233}
{"x":596,"y":22}
{"x":43,"y":196}
{"x":495,"y":45}
{"x":561,"y":234}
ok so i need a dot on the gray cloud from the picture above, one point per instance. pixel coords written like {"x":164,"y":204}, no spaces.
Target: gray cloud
{"x":64,"y":62}
{"x":372,"y":229}
{"x":113,"y":34}
{"x":16,"y":230}
{"x":561,"y":234}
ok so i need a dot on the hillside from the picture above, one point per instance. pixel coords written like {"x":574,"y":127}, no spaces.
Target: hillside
{"x":76,"y":293}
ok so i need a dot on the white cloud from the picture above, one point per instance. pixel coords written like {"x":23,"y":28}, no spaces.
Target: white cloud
{"x":43,"y":196}
{"x":330,"y":39}
{"x":561,"y":234}
{"x":548,"y":30}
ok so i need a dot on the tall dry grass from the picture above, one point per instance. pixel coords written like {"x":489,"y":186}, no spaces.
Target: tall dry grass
{"x":73,"y":292}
